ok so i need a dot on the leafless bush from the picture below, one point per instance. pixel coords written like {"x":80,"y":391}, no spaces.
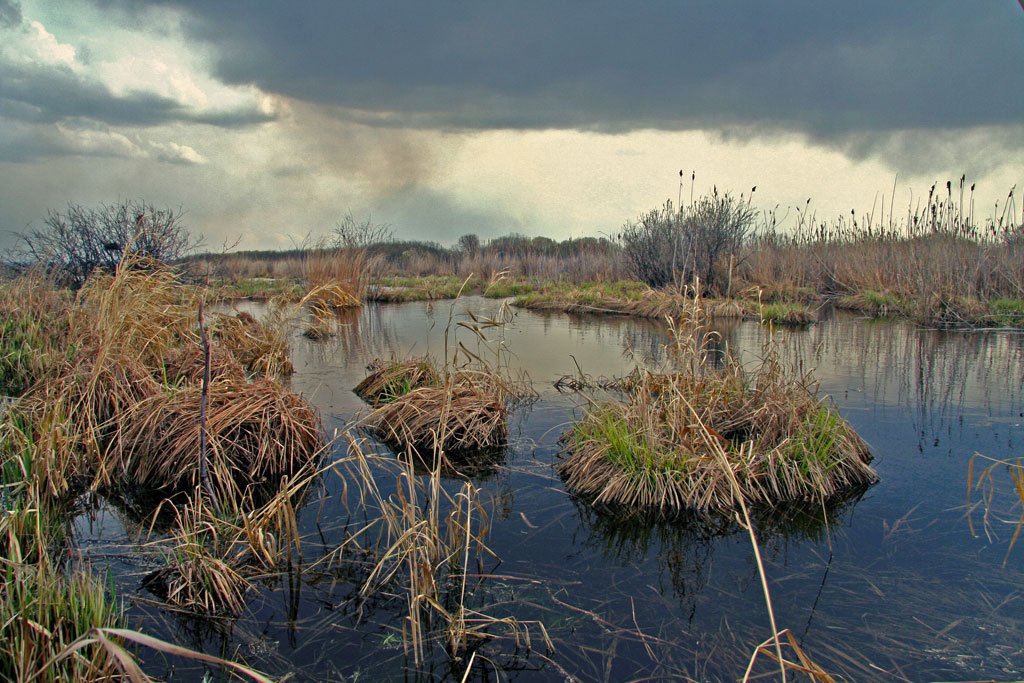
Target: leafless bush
{"x":74,"y":243}
{"x":666,"y":246}
{"x":350,"y":233}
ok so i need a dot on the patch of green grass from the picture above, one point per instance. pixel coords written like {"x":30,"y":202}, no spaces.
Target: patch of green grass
{"x":396,"y":388}
{"x":259,"y":288}
{"x":876,"y":303}
{"x":41,"y":613}
{"x":502,"y":289}
{"x":881,"y":299}
{"x":1008,"y":312}
{"x":785,"y":313}
{"x":624,"y":445}
{"x":24,"y":344}
{"x":814,"y":444}
{"x":629,"y":290}
{"x":426,"y":288}
{"x":597,"y":294}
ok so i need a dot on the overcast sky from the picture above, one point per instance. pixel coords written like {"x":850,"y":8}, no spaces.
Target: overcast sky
{"x":268,"y":121}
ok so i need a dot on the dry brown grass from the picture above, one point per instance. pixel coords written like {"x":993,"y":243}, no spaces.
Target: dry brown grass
{"x":256,"y":430}
{"x":423,"y":539}
{"x":388,"y":381}
{"x":200,"y":574}
{"x":262,"y":349}
{"x":113,"y":399}
{"x":122,"y":384}
{"x":469,"y":412}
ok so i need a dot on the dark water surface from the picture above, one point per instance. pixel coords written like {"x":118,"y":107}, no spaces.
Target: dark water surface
{"x":892,"y":586}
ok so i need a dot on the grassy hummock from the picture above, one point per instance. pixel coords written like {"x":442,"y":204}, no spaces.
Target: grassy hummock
{"x":467,"y":412}
{"x":706,"y":439}
{"x":388,"y":381}
{"x":461,"y":406}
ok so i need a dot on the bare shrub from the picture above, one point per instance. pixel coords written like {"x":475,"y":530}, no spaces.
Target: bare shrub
{"x":75,"y":242}
{"x":665,"y":246}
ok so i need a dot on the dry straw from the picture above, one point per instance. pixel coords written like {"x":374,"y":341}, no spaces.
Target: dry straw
{"x":462,"y":415}
{"x":389,"y":381}
{"x":256,"y":430}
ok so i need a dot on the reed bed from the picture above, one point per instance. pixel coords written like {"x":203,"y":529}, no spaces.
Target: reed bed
{"x":661,"y":445}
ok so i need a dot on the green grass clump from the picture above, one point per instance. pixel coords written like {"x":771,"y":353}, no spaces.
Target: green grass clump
{"x":504,"y":288}
{"x":260,"y":289}
{"x":426,"y":288}
{"x":42,"y":613}
{"x":627,"y":448}
{"x":1009,"y":312}
{"x":786,"y":313}
{"x":877,"y":304}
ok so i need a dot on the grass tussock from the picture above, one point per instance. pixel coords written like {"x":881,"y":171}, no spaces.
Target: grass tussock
{"x":468,"y":412}
{"x":460,"y":407}
{"x":679,"y":439}
{"x":262,"y":349}
{"x":256,"y":431}
{"x":388,"y":381}
{"x":130,"y":359}
{"x":200,"y":574}
{"x":786,"y":313}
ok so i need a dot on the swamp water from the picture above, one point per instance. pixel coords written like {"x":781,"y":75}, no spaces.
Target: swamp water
{"x":889,"y":585}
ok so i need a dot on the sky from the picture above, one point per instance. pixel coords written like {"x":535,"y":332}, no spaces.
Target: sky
{"x":267,"y":122}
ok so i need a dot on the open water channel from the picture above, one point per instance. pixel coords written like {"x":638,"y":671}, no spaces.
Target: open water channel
{"x":889,"y":585}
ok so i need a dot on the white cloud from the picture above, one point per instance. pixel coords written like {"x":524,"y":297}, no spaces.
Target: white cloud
{"x":150,"y":75}
{"x":33,"y":44}
{"x":174,"y":153}
{"x":97,"y":141}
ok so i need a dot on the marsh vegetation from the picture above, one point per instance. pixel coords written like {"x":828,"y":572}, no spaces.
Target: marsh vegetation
{"x":330,"y":484}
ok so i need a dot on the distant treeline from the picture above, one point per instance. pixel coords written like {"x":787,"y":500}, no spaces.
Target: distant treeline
{"x":576,"y":258}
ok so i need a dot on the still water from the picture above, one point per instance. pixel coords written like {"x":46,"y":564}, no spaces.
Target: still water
{"x":890,"y":585}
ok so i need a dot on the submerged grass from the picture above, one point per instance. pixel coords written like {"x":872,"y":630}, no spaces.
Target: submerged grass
{"x":424,"y":539}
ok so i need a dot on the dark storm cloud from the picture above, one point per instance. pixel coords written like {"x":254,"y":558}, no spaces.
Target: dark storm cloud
{"x":826,"y":69}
